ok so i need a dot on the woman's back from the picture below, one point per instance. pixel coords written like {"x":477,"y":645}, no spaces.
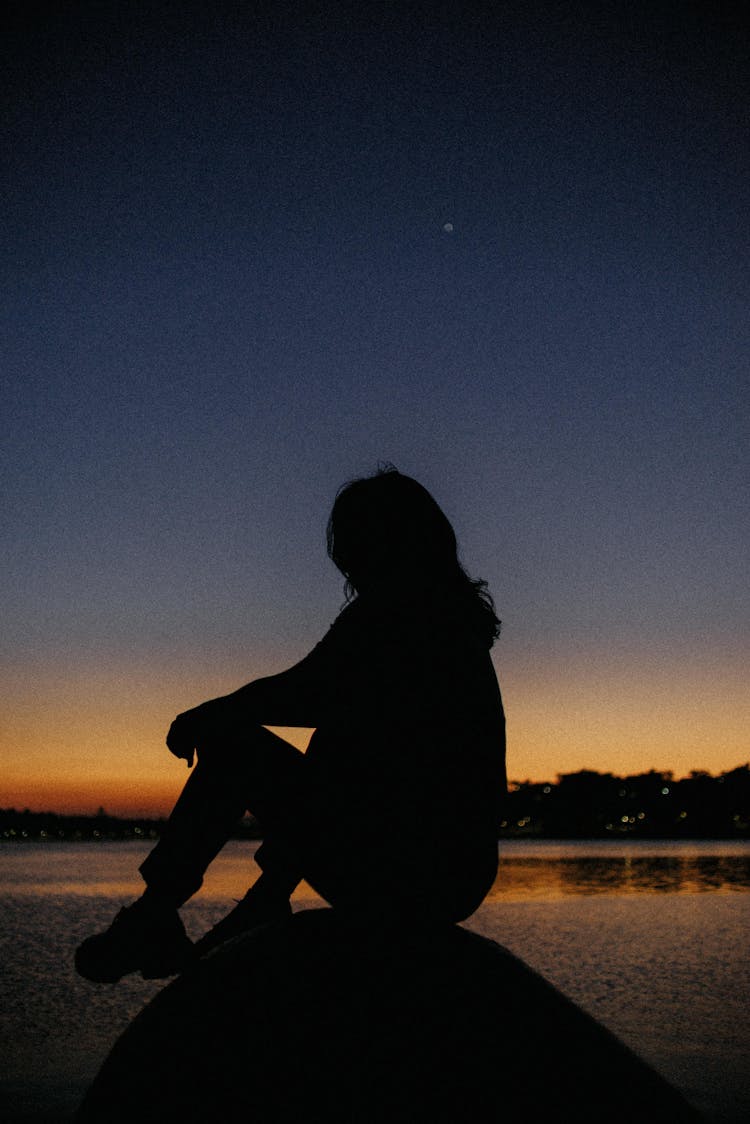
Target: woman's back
{"x":413,"y":736}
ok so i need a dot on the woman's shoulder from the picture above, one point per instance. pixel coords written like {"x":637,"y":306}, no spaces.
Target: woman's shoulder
{"x":423,"y":617}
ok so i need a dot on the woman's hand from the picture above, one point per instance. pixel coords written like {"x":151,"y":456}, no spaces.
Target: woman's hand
{"x":193,"y":729}
{"x":183,"y":737}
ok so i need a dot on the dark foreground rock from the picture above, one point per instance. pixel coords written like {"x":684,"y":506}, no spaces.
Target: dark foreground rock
{"x":310,"y":1020}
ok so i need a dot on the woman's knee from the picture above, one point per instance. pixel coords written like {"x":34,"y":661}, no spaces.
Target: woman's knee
{"x":251,"y":742}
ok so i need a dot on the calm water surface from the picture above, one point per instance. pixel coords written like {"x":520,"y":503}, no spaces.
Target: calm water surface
{"x":651,"y":938}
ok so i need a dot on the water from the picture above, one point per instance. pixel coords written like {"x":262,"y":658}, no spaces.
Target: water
{"x":651,"y":938}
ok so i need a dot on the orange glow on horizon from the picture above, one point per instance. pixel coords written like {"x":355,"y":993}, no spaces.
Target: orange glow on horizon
{"x":81,"y":738}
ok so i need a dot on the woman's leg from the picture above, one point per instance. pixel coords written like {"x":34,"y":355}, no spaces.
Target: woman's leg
{"x":261,"y":772}
{"x":258,"y":772}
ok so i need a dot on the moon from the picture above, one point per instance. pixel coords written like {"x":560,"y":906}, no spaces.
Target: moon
{"x":448,"y":227}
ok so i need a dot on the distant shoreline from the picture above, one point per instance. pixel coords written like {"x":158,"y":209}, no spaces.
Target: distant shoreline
{"x":517,"y":836}
{"x":52,"y":827}
{"x":582,"y":805}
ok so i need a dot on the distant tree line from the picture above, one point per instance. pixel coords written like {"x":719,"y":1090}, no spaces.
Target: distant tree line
{"x":582,"y":805}
{"x":591,"y":805}
{"x":17,"y":826}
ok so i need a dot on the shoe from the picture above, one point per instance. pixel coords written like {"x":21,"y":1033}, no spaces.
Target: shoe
{"x":248,"y":914}
{"x":140,"y":939}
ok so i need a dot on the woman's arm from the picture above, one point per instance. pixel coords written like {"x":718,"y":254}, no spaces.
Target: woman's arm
{"x":301,"y":696}
{"x":296,"y":697}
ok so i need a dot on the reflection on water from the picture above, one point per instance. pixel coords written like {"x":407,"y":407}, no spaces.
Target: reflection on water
{"x":110,"y":870}
{"x":544,"y":877}
{"x":528,"y":869}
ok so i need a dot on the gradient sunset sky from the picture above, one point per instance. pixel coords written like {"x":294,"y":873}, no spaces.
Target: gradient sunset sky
{"x":252,"y":250}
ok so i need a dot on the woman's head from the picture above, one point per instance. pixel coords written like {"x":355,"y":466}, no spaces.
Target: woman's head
{"x":386,"y":531}
{"x":386,"y":527}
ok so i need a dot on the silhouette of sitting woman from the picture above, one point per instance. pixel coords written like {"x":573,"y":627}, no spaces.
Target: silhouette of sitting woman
{"x":392,"y":813}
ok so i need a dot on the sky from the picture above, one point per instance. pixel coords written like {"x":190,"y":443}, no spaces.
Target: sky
{"x":252,"y":251}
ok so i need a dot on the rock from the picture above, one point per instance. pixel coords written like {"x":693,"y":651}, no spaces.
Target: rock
{"x":313,"y":1019}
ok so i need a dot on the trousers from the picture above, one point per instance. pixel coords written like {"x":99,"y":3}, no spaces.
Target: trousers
{"x":318,"y":831}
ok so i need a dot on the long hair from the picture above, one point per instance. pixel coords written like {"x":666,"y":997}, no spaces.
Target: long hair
{"x":387,"y":530}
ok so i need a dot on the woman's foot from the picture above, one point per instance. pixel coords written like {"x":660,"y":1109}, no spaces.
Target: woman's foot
{"x":255,"y":909}
{"x":144,"y":938}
